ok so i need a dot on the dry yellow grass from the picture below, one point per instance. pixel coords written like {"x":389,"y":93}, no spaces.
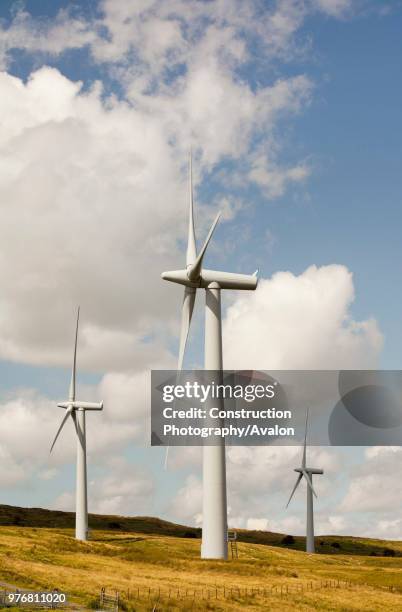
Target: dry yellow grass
{"x":42,"y":559}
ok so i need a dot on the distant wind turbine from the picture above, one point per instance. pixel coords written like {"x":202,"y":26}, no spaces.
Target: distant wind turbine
{"x":308,"y":475}
{"x":194,"y":276}
{"x":76,"y":409}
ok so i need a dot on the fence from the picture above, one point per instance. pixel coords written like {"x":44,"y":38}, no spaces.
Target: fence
{"x":109,"y":602}
{"x":3,"y":599}
{"x":227,"y":592}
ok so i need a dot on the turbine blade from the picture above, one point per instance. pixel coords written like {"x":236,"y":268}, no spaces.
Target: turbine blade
{"x":194,"y":271}
{"x":186,"y":314}
{"x":73,"y":371}
{"x":310,"y":484}
{"x":305,"y":443}
{"x":300,"y":476}
{"x":77,"y":429}
{"x":191,"y":248}
{"x":74,"y":417}
{"x":68,"y":412}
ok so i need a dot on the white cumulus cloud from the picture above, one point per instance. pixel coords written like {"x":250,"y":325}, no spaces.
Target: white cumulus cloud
{"x":300,"y":322}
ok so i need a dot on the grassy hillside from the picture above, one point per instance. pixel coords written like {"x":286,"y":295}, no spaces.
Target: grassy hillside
{"x":42,"y":558}
{"x":39,"y":517}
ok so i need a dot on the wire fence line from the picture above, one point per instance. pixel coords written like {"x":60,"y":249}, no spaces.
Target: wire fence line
{"x":114,"y":599}
{"x":230,"y":592}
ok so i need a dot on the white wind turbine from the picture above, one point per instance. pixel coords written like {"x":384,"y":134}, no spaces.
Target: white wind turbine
{"x":308,"y":475}
{"x":193,"y":277}
{"x":76,"y":409}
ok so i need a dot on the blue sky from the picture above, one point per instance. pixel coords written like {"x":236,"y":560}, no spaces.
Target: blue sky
{"x":304,"y":157}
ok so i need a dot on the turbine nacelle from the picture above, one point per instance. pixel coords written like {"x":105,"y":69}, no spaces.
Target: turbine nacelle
{"x":76,"y":405}
{"x":309,"y":470}
{"x":225,"y":280}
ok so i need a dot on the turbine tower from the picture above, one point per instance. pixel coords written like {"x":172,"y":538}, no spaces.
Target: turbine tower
{"x":307,"y":472}
{"x":76,"y":409}
{"x":194,"y":276}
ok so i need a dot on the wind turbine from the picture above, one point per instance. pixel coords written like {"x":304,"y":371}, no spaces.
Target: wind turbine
{"x":194,"y":276}
{"x":76,"y":409}
{"x":307,"y":472}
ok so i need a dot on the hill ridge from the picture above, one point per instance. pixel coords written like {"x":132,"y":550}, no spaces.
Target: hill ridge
{"x":328,"y":544}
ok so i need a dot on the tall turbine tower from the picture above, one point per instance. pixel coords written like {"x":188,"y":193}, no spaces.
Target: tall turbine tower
{"x":308,"y":475}
{"x":76,"y":409}
{"x":193,"y":277}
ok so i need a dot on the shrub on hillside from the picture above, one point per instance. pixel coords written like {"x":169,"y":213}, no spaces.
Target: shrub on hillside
{"x":114,"y":525}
